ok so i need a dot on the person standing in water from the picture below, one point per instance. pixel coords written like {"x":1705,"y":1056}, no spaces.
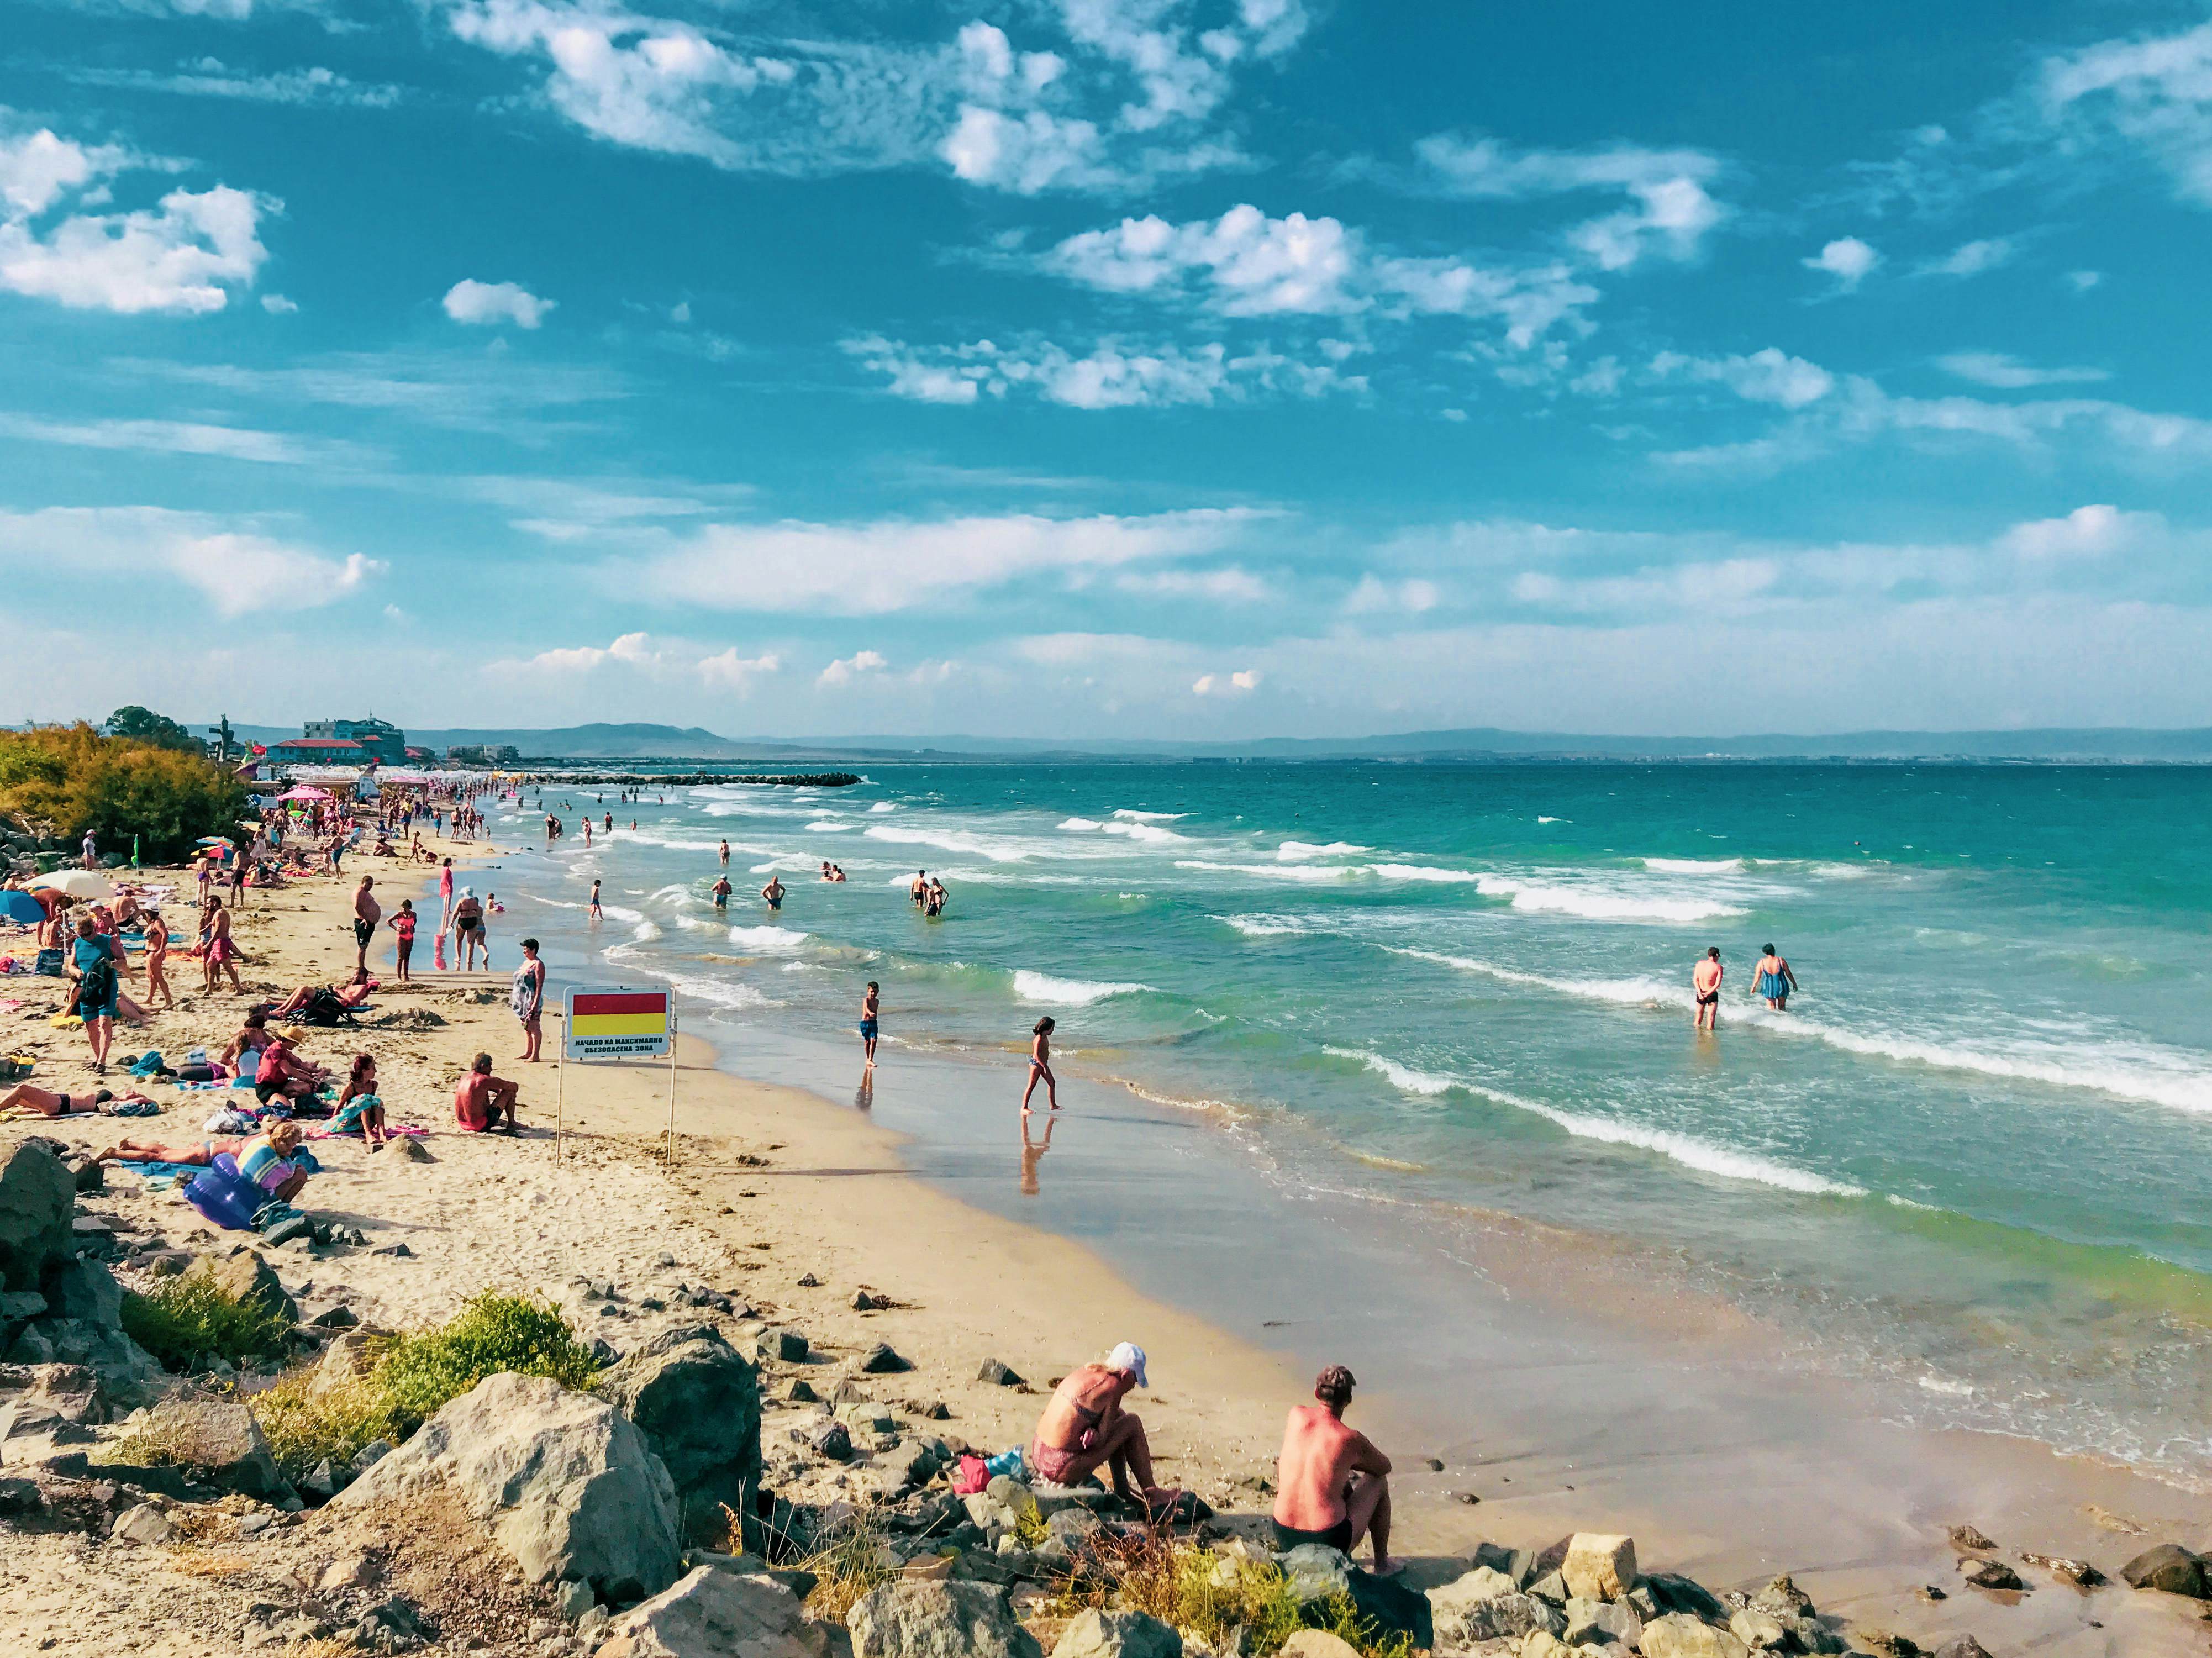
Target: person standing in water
{"x":1775,"y":982}
{"x":1705,"y":982}
{"x":594,"y":905}
{"x":726,"y":851}
{"x":917,"y":890}
{"x":870,"y":1006}
{"x":774,"y":893}
{"x":722,"y":889}
{"x":1040,"y":1065}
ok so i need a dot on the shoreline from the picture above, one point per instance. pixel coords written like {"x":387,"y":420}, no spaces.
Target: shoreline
{"x":777,"y":1182}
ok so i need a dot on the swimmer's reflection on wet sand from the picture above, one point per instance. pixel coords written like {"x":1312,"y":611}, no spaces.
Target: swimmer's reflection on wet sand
{"x":1033,"y":1153}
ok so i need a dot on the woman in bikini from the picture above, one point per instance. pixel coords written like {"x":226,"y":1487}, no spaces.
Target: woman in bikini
{"x":29,"y":1096}
{"x":157,"y":956}
{"x":1775,"y":982}
{"x":1040,"y":1065}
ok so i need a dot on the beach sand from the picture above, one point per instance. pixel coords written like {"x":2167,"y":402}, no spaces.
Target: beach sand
{"x":772,"y":1185}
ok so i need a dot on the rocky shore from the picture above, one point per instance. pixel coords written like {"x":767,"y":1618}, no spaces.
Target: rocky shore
{"x":757,"y":1370}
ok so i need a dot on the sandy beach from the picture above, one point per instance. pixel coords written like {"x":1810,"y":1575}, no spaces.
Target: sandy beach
{"x":791,"y":1202}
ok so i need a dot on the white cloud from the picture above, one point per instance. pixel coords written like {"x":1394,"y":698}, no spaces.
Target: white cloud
{"x":2082,"y":281}
{"x":872,"y":568}
{"x":485,"y":303}
{"x":1232,"y":584}
{"x":1847,"y":258}
{"x":1374,"y":596}
{"x":1670,"y":209}
{"x":37,"y":169}
{"x":1767,"y":376}
{"x":654,"y":660}
{"x":277,"y":306}
{"x":2086,"y":532}
{"x":1970,"y":259}
{"x":2008,"y":373}
{"x":1234,"y":684}
{"x":1112,"y":374}
{"x":210,"y":77}
{"x":239,"y":571}
{"x":189,"y":438}
{"x":2154,"y":92}
{"x":845,"y":670}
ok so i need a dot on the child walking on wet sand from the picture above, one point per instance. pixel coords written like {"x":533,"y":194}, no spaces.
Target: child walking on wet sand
{"x":1040,"y":1065}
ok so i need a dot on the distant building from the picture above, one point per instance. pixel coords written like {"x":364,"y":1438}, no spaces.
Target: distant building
{"x":421,"y":758}
{"x":318,"y":751}
{"x":378,"y":739}
{"x":483,"y":754}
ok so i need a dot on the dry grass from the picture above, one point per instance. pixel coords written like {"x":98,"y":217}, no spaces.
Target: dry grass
{"x":202,"y":1563}
{"x":845,"y":1568}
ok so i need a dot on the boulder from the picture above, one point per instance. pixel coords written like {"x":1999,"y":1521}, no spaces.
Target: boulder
{"x":1315,"y":1571}
{"x":1552,"y":1587}
{"x":1991,"y":1574}
{"x":1318,"y":1643}
{"x":832,"y":1439}
{"x":2169,"y":1567}
{"x":1783,"y":1599}
{"x":246,"y":1278}
{"x":1962,"y":1646}
{"x":1671,"y":1591}
{"x":351,"y":1355}
{"x":788,"y":1345}
{"x":1541,"y":1645}
{"x":1593,"y":1623}
{"x":698,"y":1401}
{"x":217,"y":1438}
{"x":1392,"y":1607}
{"x":1677,"y":1634}
{"x":945,"y":1619}
{"x":1450,"y":1600}
{"x":1001,"y":1376}
{"x":565,"y":1482}
{"x":143,"y":1524}
{"x":882,"y":1359}
{"x":1599,"y":1566}
{"x":712,"y":1612}
{"x":1759,"y":1629}
{"x":38,"y":1202}
{"x":1498,"y":1618}
{"x":1519,"y":1564}
{"x":1118,"y":1635}
{"x":86,"y":1290}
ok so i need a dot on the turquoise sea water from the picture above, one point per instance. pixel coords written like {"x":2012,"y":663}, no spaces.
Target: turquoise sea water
{"x":1972,"y":1164}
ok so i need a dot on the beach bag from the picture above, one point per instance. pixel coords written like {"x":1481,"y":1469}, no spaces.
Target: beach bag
{"x":49,"y":963}
{"x":970,"y":1476}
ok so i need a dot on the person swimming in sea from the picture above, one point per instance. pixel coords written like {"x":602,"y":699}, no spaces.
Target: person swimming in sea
{"x":1775,"y":982}
{"x":1705,"y":982}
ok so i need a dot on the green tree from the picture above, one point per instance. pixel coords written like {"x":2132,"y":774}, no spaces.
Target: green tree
{"x":60,"y":781}
{"x":144,"y":726}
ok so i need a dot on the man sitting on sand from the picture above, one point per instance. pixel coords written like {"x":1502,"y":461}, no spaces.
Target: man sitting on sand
{"x":480,"y":1099}
{"x":1332,"y":1485}
{"x":1083,"y":1428}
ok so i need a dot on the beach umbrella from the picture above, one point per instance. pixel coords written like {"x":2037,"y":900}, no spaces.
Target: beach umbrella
{"x":20,"y":906}
{"x":76,"y":882}
{"x":305,"y":791}
{"x":213,"y":841}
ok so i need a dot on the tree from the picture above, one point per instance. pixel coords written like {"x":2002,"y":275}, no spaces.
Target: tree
{"x":139,"y":725}
{"x":60,"y":781}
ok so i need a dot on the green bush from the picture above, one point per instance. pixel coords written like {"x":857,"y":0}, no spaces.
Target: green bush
{"x":189,"y":1322}
{"x":1217,"y":1595}
{"x":491,"y":1334}
{"x":61,"y":781}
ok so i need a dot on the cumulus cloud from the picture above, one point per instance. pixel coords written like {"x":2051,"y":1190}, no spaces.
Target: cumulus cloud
{"x":1767,"y":376}
{"x":1234,"y":684}
{"x":873,"y":569}
{"x":239,"y":571}
{"x":845,"y":670}
{"x":673,"y":661}
{"x":1669,"y":209}
{"x":181,"y":255}
{"x":1847,"y":258}
{"x":2154,"y":93}
{"x":1112,"y":374}
{"x":491,"y":303}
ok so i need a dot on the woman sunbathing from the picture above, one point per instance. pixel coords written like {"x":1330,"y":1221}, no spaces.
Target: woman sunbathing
{"x":29,"y":1096}
{"x":251,"y":1153}
{"x":353,"y":995}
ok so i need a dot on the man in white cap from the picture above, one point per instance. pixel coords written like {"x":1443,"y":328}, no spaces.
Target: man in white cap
{"x":1084,"y":1429}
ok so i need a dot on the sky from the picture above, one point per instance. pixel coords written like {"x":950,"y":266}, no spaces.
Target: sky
{"x":1082,"y":368}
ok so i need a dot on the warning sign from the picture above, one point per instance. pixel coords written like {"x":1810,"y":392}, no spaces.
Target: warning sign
{"x":615,"y":1024}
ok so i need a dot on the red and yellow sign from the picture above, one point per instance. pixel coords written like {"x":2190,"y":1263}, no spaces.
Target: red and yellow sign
{"x":616,"y":1024}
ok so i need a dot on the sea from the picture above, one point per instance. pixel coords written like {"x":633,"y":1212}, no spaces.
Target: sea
{"x":1969,"y":1170}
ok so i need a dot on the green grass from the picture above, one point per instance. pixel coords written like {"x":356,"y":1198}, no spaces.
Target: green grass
{"x":1214,"y":1596}
{"x":189,"y":1322}
{"x":419,"y":1373}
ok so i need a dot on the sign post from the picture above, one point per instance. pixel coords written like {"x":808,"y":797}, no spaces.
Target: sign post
{"x":618,"y":1023}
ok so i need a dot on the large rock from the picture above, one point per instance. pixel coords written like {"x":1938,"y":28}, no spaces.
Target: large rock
{"x":1677,"y":1634}
{"x":1118,"y":1635}
{"x":713,"y":1612}
{"x":2169,"y":1567}
{"x":1498,"y":1618}
{"x":1519,"y":1564}
{"x":1451,"y":1599}
{"x":1599,"y":1566}
{"x":351,"y":1355}
{"x":1392,"y":1607}
{"x":565,"y":1482}
{"x":1593,"y":1623}
{"x":250,"y":1280}
{"x":86,"y":1290}
{"x":1318,"y":1643}
{"x":217,"y":1437}
{"x":38,"y":1202}
{"x":948,"y":1619}
{"x":1759,"y":1630}
{"x":698,"y":1402}
{"x":1963,"y":1646}
{"x":1315,"y":1570}
{"x":1672,"y":1592}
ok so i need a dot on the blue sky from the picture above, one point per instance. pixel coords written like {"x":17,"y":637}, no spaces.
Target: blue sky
{"x":1174,"y":368}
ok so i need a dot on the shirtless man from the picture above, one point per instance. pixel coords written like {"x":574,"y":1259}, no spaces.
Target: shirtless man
{"x":1084,"y":1429}
{"x":726,"y":851}
{"x":917,"y":890}
{"x":722,"y":890}
{"x":367,"y":912}
{"x":774,"y":893}
{"x":1705,"y":981}
{"x":1332,"y":1485}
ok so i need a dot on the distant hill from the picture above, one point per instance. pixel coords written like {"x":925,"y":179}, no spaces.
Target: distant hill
{"x":642,"y":741}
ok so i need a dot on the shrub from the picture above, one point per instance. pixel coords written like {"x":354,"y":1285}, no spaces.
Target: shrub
{"x":333,"y":1423}
{"x":492,"y":1333}
{"x":188,"y":1322}
{"x":1216,"y":1595}
{"x":63,"y":779}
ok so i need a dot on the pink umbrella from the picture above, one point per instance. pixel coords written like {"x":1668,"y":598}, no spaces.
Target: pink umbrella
{"x":304,"y":792}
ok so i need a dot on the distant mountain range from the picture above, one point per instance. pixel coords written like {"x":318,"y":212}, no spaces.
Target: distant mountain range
{"x":655,"y":742}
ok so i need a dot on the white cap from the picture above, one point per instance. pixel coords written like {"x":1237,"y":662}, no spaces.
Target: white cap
{"x":1131,"y":1357}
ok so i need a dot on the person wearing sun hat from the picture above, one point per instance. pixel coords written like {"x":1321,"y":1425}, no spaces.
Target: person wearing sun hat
{"x":1084,"y":1429}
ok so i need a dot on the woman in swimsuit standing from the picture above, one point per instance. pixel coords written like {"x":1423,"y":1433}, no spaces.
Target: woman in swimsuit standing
{"x":1775,"y":982}
{"x":1040,"y":1065}
{"x":157,"y":955}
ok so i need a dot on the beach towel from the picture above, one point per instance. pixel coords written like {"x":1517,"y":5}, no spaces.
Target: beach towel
{"x":132,"y":1109}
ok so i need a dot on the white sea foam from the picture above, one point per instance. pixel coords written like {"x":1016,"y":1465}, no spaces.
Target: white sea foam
{"x":767,"y":938}
{"x":1552,"y":820}
{"x":1149,"y":833}
{"x":1594,"y":905}
{"x":1276,"y":872}
{"x":1128,"y":816}
{"x":1067,"y":993}
{"x":645,"y":931}
{"x":1694,"y":865}
{"x":883,"y":805}
{"x":826,"y":827}
{"x":1292,"y":852}
{"x":1947,"y":1385}
{"x":999,"y":851}
{"x":1684,"y":1149}
{"x":715,"y":993}
{"x":1623,"y":992}
{"x":1076,"y":825}
{"x":1428,"y":873}
{"x":1267,"y":927}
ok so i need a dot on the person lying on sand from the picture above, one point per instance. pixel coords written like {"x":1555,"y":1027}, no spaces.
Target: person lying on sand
{"x":353,"y":993}
{"x":1332,"y":1485}
{"x":481,"y":1097}
{"x":30,"y":1096}
{"x":253,"y":1153}
{"x":1084,"y":1429}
